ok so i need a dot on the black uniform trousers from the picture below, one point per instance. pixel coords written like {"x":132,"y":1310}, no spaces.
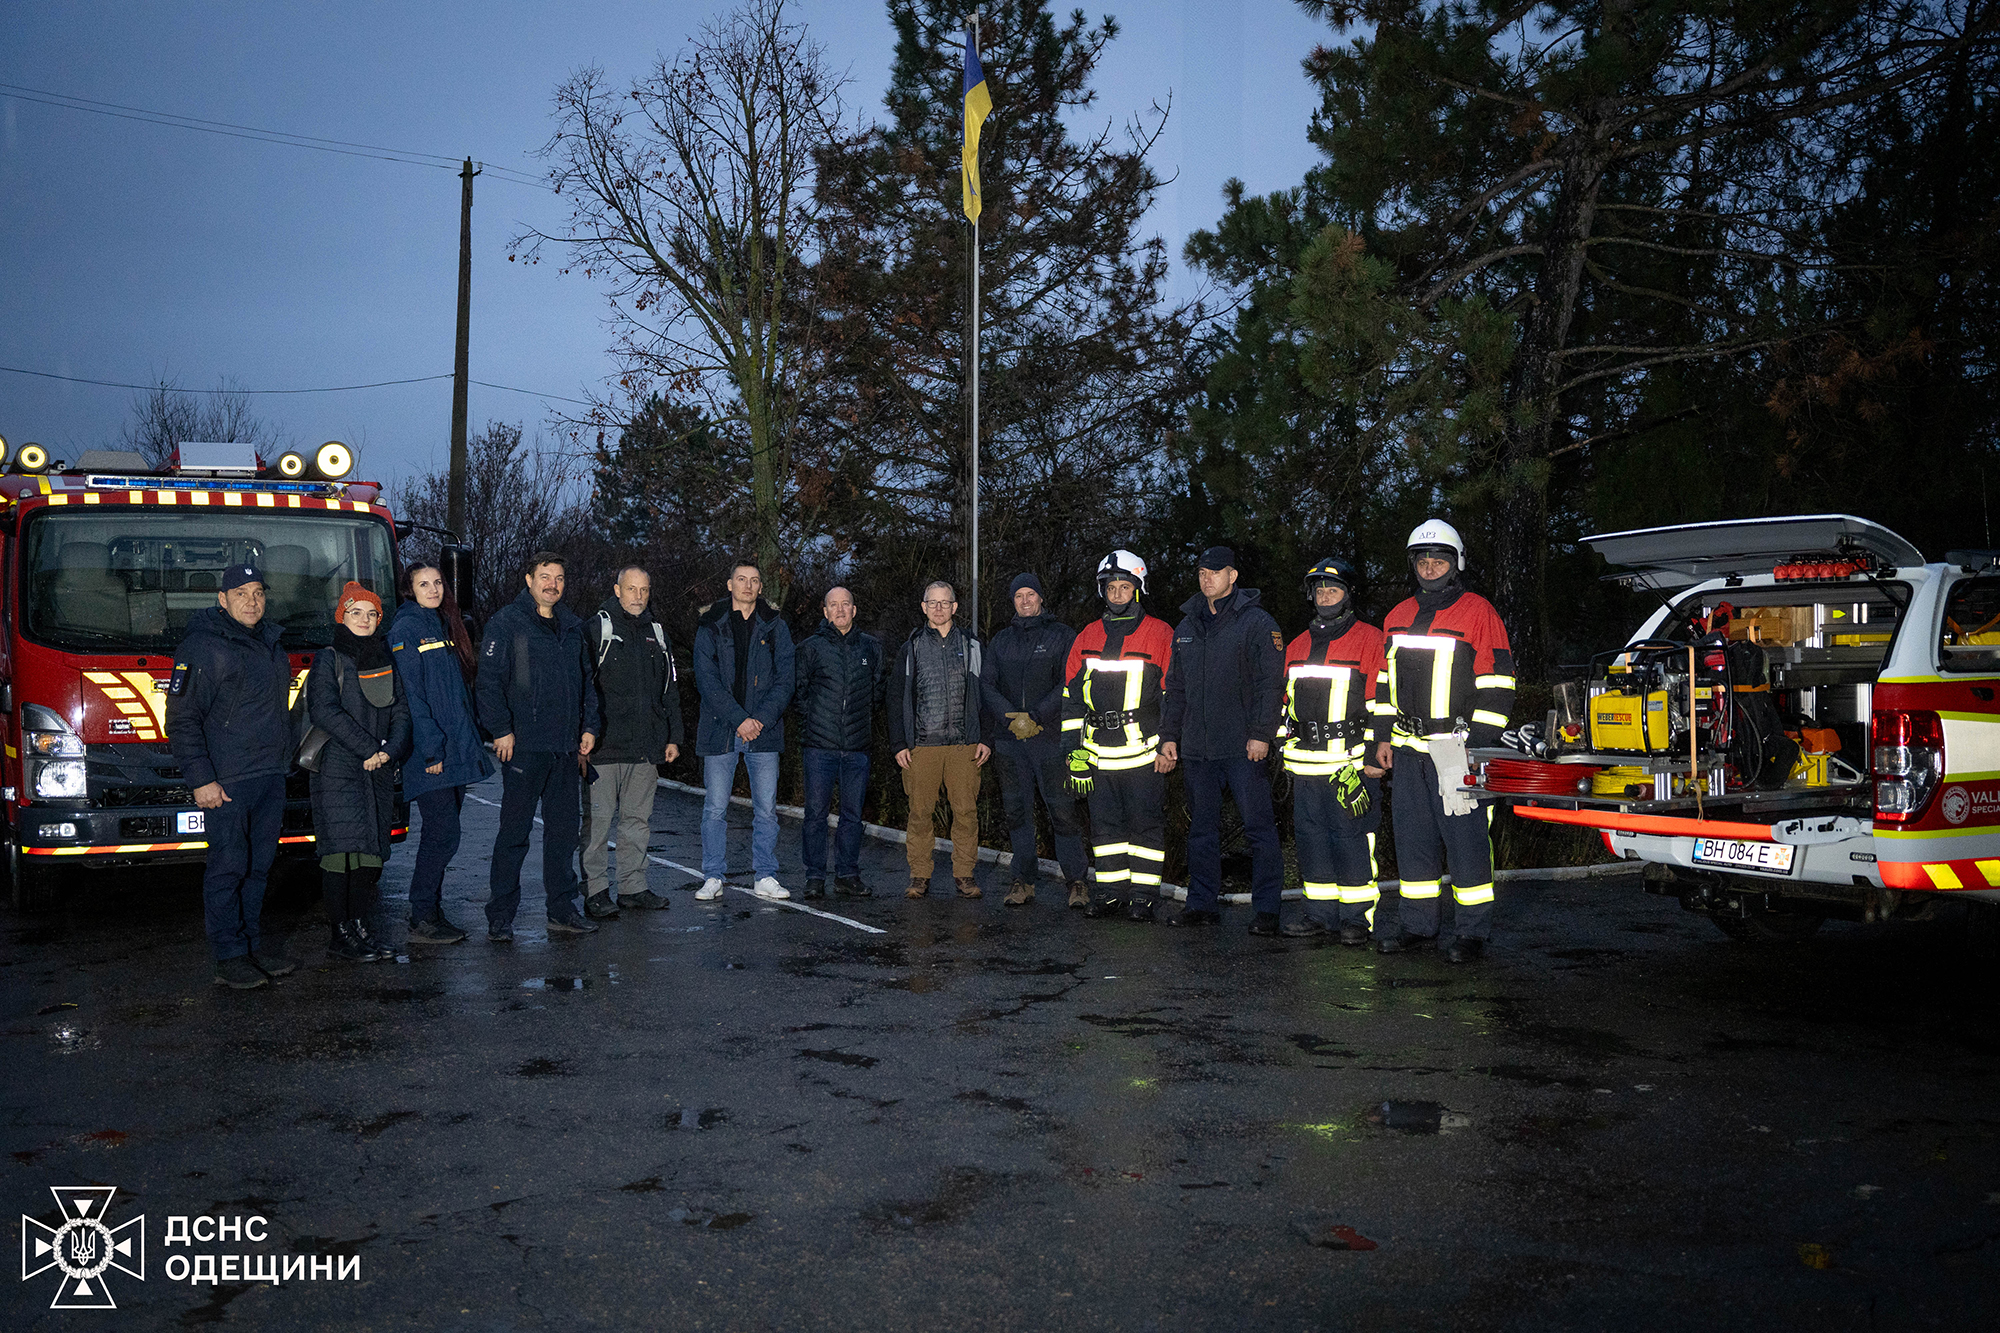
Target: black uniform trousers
{"x":242,"y":836}
{"x":1128,"y":831}
{"x":1423,"y":831}
{"x":552,"y":781}
{"x":1336,"y":850}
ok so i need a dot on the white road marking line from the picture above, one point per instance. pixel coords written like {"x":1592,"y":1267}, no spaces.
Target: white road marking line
{"x":738,"y":888}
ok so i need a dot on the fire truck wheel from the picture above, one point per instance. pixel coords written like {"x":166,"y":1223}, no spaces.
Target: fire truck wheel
{"x":1759,"y":926}
{"x":29,"y":882}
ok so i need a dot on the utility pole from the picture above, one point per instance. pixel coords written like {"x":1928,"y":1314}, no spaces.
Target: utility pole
{"x":455,"y":491}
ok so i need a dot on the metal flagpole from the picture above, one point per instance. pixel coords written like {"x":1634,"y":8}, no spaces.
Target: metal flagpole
{"x":975,"y":391}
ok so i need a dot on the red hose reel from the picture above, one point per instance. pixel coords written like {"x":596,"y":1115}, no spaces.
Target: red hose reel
{"x":1530,"y":777}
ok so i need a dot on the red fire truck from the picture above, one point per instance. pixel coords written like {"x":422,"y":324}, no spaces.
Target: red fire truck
{"x":104,"y":562}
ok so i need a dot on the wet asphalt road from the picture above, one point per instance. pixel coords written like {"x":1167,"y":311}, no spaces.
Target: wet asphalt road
{"x":734,"y":1116}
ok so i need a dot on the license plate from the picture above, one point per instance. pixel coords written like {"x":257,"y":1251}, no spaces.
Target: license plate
{"x":1771,"y":858}
{"x":191,"y":821}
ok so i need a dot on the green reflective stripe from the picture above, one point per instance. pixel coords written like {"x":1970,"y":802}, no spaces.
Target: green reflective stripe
{"x":1110,"y":848}
{"x":1417,"y":743}
{"x":1422,"y":888}
{"x":1472,"y":895}
{"x":1113,"y":876}
{"x":1109,"y":765}
{"x":1491,"y":719}
{"x":1141,"y":877}
{"x":1441,"y":647}
{"x":1147,"y":853}
{"x":1492,"y":682}
{"x":1359,"y":893}
{"x":1072,"y":724}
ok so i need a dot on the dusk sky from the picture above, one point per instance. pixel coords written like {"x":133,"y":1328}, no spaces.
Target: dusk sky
{"x":134,"y":250}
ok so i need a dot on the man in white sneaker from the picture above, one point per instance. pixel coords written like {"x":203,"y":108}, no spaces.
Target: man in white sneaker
{"x":744,"y":670}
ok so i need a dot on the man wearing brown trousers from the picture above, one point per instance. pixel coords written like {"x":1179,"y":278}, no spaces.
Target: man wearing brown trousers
{"x":935,"y":734}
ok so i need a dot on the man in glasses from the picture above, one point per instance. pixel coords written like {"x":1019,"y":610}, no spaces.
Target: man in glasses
{"x":934,"y":730}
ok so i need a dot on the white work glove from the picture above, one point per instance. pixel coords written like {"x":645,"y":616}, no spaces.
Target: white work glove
{"x":1448,"y":753}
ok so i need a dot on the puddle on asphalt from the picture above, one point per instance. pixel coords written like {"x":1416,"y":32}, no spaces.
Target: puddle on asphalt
{"x":696,"y":1118}
{"x":1417,"y":1117}
{"x":69,"y":1039}
{"x":838,"y":1057}
{"x":556,"y":983}
{"x":696,"y":1217}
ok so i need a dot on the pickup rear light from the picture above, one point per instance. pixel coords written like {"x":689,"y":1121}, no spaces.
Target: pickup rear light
{"x":1907,"y":747}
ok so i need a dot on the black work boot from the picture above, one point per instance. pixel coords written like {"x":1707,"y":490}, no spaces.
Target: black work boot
{"x":1264,"y":923}
{"x":1302,"y":928}
{"x":1464,"y":950}
{"x":815,"y":888}
{"x":1103,"y":907}
{"x":1140,"y":910}
{"x":599,"y":907}
{"x":1354,"y":933}
{"x":373,"y":949}
{"x":341,"y":945}
{"x":1404,"y":942}
{"x":850,"y":886}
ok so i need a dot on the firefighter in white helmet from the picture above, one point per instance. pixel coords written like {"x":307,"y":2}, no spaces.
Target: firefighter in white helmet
{"x":1111,"y":716}
{"x":1447,"y":682}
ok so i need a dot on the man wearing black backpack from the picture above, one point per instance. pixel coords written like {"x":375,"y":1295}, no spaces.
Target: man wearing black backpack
{"x":639,"y":702}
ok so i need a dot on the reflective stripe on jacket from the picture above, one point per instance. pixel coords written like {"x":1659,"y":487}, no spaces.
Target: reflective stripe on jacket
{"x":1122,"y":674}
{"x":1330,"y":685}
{"x":1444,"y":662}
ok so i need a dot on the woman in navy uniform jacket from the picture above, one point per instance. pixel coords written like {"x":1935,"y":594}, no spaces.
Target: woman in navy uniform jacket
{"x":435,"y":661}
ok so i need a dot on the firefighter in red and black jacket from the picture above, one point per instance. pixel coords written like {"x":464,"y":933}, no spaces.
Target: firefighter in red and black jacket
{"x":1447,"y":682}
{"x":1111,"y":717}
{"x":1330,"y":673}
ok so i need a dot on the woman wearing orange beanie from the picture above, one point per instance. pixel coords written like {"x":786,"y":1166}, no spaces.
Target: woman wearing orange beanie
{"x":352,"y":695}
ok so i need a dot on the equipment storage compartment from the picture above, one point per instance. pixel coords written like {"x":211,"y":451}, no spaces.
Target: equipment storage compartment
{"x":1742,"y":692}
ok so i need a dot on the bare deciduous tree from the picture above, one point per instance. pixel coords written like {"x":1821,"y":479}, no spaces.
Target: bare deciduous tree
{"x":167,"y":414}
{"x":690,"y":196}
{"x":518,"y":500}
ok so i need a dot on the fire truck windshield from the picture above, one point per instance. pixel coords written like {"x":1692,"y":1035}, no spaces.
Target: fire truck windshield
{"x":125,"y":578}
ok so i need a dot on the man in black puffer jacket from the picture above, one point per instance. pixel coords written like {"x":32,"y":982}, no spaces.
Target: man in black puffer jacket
{"x":1021,"y":681}
{"x":841,"y":675}
{"x":226,"y":726}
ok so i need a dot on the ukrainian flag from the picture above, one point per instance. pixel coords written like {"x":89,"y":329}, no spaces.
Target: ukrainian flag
{"x":978,"y":104}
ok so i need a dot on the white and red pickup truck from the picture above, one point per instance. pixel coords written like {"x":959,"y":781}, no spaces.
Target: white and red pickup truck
{"x":1807,"y":727}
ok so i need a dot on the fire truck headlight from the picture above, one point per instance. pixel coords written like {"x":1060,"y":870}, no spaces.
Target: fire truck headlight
{"x":62,"y":778}
{"x":53,"y":744}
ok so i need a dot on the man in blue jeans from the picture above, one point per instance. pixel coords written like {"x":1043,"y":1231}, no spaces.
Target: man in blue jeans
{"x":743,"y":668}
{"x":1224,"y":695}
{"x":841,"y":672}
{"x":536,"y":700}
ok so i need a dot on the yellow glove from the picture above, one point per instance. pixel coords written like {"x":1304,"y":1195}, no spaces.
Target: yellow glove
{"x":1082,"y":771}
{"x":1023,"y":726}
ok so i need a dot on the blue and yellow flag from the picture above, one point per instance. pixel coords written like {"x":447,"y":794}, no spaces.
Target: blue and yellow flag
{"x":978,"y":103}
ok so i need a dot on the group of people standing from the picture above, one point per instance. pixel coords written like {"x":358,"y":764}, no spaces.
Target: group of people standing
{"x":1099,"y":716}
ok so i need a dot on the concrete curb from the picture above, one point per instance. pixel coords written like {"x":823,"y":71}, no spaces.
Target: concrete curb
{"x":1175,"y":891}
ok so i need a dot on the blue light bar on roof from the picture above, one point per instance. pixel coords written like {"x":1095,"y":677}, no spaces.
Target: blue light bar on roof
{"x":98,"y":481}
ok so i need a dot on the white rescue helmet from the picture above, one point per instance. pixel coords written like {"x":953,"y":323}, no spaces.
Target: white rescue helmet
{"x":1121,"y":564}
{"x":1436,"y":533}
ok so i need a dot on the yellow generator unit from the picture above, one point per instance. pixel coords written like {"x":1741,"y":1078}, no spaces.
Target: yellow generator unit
{"x":1632,"y":723}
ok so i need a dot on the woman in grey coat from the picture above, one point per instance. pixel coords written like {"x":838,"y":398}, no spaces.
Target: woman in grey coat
{"x":352,"y":694}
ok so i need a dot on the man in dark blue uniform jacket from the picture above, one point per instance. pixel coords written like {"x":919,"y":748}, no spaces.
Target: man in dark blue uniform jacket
{"x":536,"y":701}
{"x":226,"y":725}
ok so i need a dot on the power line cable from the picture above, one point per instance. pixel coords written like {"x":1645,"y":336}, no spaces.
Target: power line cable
{"x":330,"y":388}
{"x":174,"y":120}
